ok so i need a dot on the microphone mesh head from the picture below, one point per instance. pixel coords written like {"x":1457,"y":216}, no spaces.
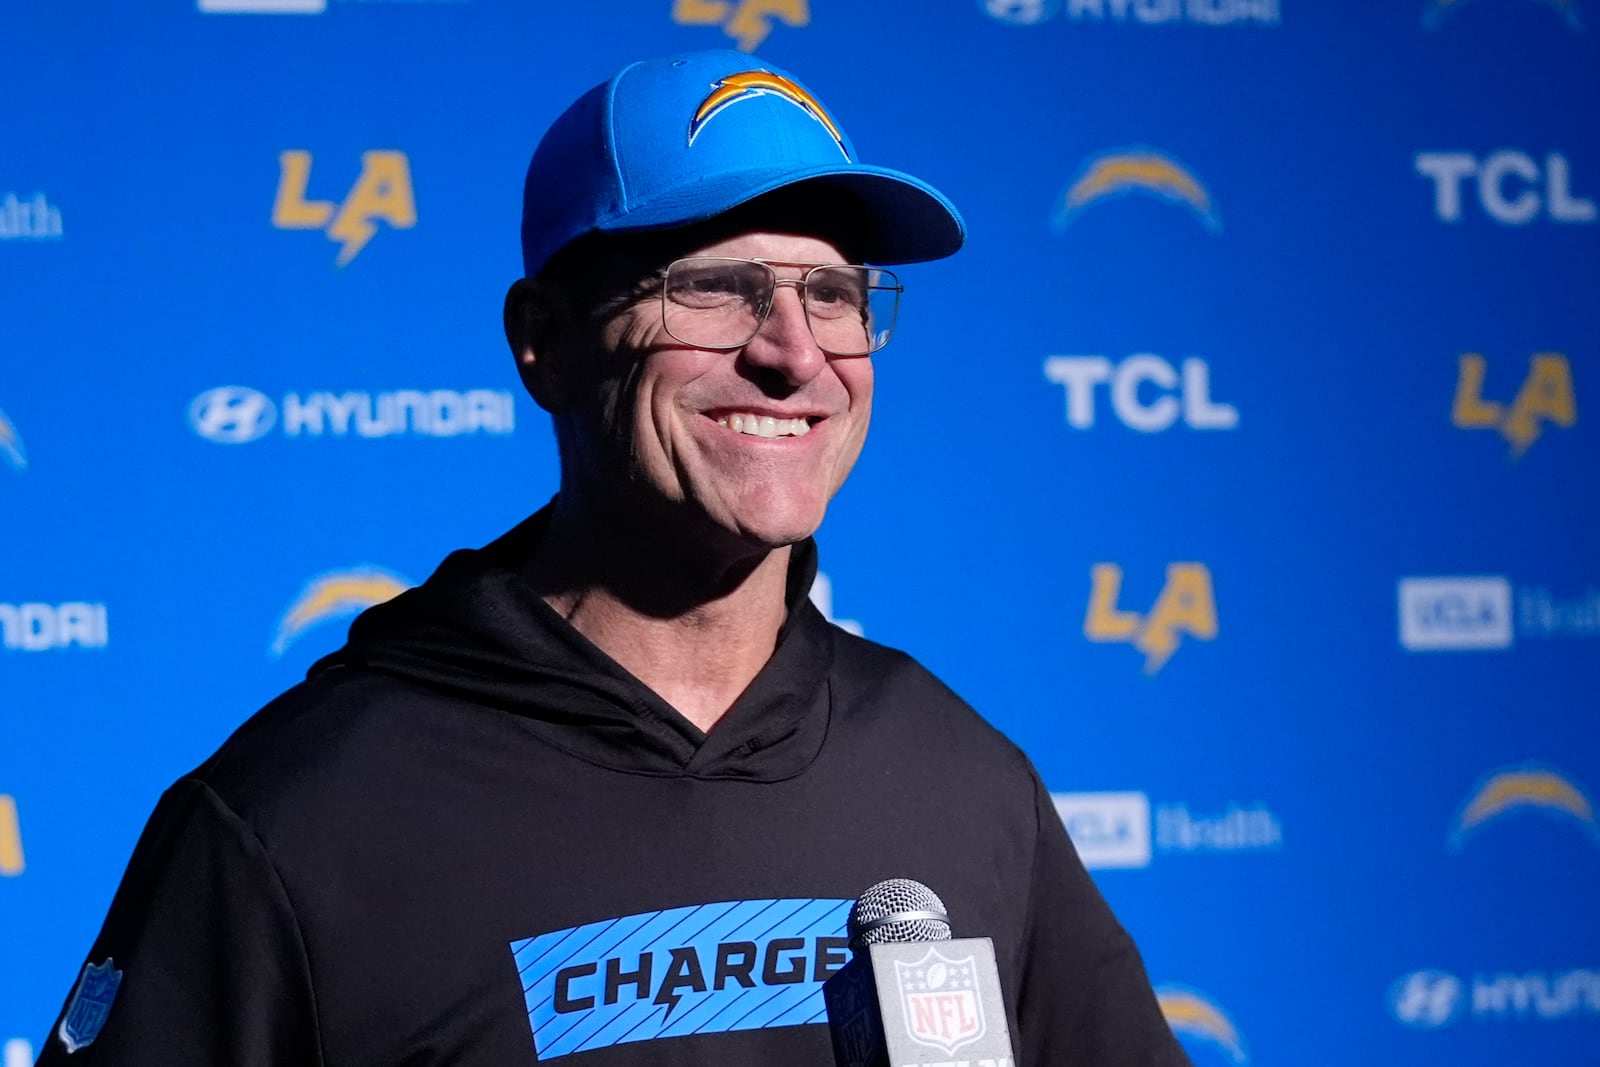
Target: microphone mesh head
{"x":896,"y":910}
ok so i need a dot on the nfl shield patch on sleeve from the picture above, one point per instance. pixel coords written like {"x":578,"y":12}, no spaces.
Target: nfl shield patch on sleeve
{"x":90,"y":1004}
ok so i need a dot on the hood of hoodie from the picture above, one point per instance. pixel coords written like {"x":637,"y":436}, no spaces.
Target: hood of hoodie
{"x":476,"y":633}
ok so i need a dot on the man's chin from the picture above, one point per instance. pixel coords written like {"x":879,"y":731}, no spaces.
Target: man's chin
{"x":767,"y":530}
{"x":771,"y":536}
{"x":778,"y":523}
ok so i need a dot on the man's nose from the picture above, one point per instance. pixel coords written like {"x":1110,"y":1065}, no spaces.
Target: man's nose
{"x":784,"y":344}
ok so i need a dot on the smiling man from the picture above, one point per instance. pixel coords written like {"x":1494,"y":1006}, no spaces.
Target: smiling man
{"x":602,"y":791}
{"x":705,"y":418}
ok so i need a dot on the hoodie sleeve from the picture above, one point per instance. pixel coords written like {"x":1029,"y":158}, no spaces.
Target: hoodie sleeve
{"x":212,"y":967}
{"x":1085,"y":998}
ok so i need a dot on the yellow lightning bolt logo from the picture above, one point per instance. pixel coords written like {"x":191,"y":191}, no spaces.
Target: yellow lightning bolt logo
{"x":753,"y":83}
{"x":11,"y":444}
{"x":11,"y":859}
{"x":1524,"y":788}
{"x":1191,"y":1013}
{"x":335,"y":595}
{"x":748,"y":21}
{"x":1138,"y":170}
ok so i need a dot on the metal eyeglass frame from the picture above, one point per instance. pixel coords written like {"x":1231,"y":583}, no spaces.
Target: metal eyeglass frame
{"x":877,"y":339}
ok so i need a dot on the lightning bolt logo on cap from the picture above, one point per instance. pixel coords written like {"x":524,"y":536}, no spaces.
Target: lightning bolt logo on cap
{"x":747,"y":85}
{"x":335,"y":595}
{"x":11,"y":444}
{"x":1191,"y":1013}
{"x":1528,"y":787}
{"x":1136,"y":170}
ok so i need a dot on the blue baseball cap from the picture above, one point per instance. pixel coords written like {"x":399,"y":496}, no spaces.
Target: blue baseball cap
{"x":675,"y":141}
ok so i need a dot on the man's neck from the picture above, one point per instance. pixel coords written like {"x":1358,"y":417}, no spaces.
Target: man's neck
{"x":694,"y":628}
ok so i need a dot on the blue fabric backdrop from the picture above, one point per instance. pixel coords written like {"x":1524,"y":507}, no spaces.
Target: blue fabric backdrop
{"x":1241,"y":468}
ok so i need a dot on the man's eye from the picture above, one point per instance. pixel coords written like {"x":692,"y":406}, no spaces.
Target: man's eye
{"x":708,"y":288}
{"x":834,"y":300}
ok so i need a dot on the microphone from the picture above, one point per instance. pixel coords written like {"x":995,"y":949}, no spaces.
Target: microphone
{"x":912,"y":995}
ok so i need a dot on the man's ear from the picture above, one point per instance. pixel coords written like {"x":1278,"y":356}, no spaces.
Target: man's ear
{"x":534,"y":317}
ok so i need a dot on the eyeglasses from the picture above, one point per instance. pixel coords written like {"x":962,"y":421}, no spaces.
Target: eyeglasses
{"x":713,"y":302}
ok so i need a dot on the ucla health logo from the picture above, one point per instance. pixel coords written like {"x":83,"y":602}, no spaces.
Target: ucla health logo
{"x":1109,"y":830}
{"x":1545,"y":398}
{"x":381,"y":192}
{"x":11,"y":449}
{"x":822,"y":599}
{"x":748,"y":22}
{"x":238,"y":414}
{"x":1455,"y":613}
{"x":29,"y":219}
{"x":1136,"y":171}
{"x":1485,"y":612}
{"x":335,"y":595}
{"x":703,"y":969}
{"x":1529,"y":788}
{"x":1509,"y":186}
{"x":1186,"y":606}
{"x":1147,"y":393}
{"x":1200,"y":1023}
{"x":1434,"y":12}
{"x":1139,"y":12}
{"x":1114,"y":830}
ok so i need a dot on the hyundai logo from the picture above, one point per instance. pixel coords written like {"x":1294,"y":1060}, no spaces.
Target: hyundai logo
{"x":1427,"y":1000}
{"x":1021,"y":12}
{"x":11,"y":445}
{"x":232,"y":414}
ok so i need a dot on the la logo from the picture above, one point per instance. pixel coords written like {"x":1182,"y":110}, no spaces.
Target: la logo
{"x":1546,"y":396}
{"x":381,"y":191}
{"x":747,"y":21}
{"x":1186,"y":605}
{"x":11,"y":862}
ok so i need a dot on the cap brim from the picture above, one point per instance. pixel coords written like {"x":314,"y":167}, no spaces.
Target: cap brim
{"x":907,"y":220}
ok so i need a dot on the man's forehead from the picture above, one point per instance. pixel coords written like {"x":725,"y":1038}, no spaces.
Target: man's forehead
{"x":796,"y":214}
{"x":778,"y":246}
{"x":828,"y":221}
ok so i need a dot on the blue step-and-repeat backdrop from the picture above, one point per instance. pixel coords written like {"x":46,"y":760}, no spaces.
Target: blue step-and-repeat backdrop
{"x":1242,"y":468}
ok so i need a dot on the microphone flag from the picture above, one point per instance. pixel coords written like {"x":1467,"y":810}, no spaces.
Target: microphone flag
{"x":912,"y":1003}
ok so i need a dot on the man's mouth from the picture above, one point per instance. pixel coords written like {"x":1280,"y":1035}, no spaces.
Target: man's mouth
{"x":764,"y":425}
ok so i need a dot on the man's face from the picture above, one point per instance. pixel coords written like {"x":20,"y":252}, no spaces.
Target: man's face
{"x":654,"y":430}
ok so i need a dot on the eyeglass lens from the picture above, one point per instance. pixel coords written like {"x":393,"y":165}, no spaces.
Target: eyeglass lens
{"x":721,"y":303}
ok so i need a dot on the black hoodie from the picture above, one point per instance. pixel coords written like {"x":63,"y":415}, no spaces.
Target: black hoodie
{"x":471,"y":837}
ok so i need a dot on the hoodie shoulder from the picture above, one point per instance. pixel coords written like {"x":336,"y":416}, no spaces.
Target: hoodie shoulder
{"x":892,"y":689}
{"x":344,"y":733}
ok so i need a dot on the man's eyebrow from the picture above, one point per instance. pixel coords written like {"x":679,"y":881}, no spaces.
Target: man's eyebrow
{"x":603,"y":297}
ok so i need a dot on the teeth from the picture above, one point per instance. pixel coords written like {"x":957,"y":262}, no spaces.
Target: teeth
{"x":765,"y":425}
